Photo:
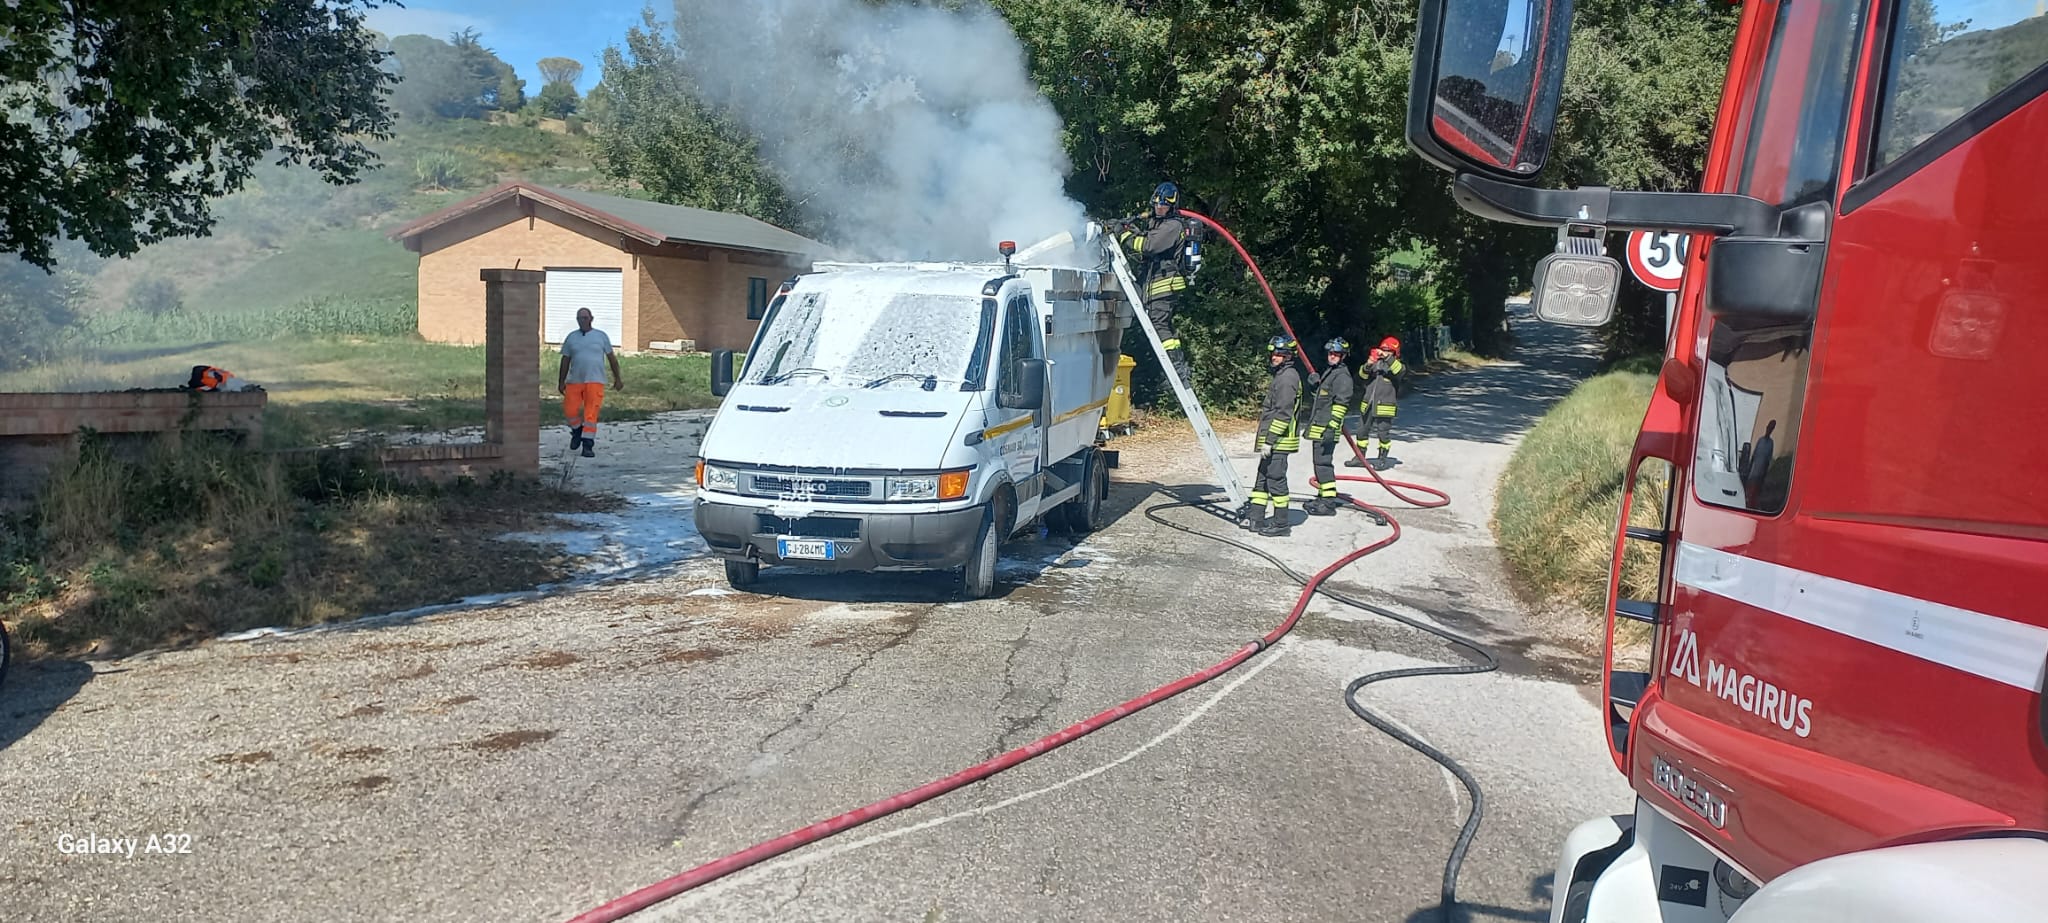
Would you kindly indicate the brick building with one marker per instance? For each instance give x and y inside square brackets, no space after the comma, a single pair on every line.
[650,273]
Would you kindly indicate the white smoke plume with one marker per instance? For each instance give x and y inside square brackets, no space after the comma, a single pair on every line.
[912,132]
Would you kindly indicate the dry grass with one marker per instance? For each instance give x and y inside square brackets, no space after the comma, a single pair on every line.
[1555,516]
[1455,358]
[323,388]
[198,537]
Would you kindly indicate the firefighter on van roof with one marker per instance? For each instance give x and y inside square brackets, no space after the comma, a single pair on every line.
[1166,253]
[1383,374]
[1279,436]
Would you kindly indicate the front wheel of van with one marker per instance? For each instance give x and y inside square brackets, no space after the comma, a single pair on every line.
[742,575]
[978,578]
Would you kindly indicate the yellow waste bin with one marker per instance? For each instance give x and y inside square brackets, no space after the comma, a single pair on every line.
[1118,413]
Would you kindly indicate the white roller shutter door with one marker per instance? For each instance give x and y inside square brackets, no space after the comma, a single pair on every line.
[571,290]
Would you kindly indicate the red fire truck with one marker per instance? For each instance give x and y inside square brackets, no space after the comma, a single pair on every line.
[1840,717]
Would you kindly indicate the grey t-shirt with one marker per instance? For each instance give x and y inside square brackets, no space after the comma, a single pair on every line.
[586,352]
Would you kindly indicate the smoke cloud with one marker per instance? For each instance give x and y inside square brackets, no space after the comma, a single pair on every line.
[911,132]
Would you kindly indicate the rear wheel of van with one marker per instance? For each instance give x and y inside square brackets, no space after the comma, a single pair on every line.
[1083,514]
[742,575]
[978,578]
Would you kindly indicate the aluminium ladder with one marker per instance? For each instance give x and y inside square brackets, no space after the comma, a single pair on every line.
[1211,446]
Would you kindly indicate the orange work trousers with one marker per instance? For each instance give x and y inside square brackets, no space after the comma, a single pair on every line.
[580,401]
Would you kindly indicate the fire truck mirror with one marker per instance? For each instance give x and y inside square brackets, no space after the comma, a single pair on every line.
[1765,279]
[1576,290]
[1488,75]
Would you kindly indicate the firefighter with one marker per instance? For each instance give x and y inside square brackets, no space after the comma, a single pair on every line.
[1166,253]
[1383,376]
[1335,390]
[1279,436]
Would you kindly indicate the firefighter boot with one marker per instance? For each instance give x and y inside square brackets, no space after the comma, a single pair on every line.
[1276,524]
[1253,517]
[1321,506]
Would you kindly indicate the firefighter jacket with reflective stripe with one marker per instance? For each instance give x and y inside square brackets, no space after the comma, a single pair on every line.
[1161,255]
[1279,423]
[1335,392]
[1383,385]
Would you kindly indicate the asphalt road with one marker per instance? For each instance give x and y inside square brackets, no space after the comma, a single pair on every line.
[530,760]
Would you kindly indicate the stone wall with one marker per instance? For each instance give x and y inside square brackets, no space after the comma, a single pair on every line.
[39,431]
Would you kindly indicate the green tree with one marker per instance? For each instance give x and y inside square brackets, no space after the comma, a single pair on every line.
[1641,90]
[502,90]
[653,130]
[454,79]
[558,96]
[39,306]
[123,121]
[561,70]
[558,100]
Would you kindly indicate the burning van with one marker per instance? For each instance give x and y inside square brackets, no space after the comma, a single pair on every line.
[913,416]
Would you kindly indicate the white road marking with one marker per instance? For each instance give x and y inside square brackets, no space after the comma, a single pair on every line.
[795,862]
[1450,781]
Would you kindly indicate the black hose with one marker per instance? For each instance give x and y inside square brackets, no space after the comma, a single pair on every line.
[1489,664]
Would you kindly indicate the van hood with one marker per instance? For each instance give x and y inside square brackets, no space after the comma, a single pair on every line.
[891,428]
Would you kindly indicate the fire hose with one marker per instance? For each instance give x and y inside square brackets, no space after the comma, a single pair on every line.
[1312,585]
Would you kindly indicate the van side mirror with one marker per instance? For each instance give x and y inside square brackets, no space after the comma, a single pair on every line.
[1030,392]
[1484,91]
[721,372]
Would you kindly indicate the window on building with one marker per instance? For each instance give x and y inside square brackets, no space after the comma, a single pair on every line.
[1946,58]
[757,298]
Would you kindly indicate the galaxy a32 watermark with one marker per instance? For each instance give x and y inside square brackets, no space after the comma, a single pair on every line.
[125,847]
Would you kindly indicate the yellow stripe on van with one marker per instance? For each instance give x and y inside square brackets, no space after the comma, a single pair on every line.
[1012,426]
[1078,411]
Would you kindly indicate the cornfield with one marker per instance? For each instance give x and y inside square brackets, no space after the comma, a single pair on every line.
[310,318]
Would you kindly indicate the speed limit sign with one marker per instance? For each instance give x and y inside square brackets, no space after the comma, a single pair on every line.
[1658,258]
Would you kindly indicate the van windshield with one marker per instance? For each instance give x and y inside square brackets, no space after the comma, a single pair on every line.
[852,341]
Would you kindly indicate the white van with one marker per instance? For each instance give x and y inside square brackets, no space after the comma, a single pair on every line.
[912,416]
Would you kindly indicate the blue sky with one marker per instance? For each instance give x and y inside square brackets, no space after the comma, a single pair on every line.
[524,31]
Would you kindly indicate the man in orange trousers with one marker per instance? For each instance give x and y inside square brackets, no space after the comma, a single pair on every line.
[581,380]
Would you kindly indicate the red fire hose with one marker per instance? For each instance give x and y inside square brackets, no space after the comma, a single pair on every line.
[704,874]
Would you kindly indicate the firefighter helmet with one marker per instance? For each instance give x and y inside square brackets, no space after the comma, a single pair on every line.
[1166,194]
[1281,345]
[1338,346]
[1391,345]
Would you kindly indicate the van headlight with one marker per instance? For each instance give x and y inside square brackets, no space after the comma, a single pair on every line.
[948,485]
[713,477]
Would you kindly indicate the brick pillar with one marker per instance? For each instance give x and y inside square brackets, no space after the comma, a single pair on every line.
[512,366]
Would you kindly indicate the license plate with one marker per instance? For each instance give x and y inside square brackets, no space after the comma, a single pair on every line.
[816,549]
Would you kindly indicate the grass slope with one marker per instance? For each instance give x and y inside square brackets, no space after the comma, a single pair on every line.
[1555,514]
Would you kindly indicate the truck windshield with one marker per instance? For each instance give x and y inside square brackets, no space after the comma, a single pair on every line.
[849,341]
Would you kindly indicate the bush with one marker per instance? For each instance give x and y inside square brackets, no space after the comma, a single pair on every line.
[439,171]
[156,296]
[1555,514]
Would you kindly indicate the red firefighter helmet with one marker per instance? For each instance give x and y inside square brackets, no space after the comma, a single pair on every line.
[1391,345]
